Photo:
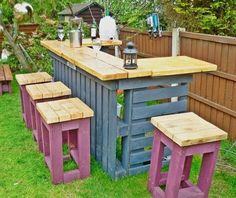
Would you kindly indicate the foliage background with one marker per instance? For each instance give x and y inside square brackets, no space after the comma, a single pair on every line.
[205,16]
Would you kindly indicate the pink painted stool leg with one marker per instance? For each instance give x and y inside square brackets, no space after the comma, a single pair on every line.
[207,170]
[39,131]
[0,88]
[26,101]
[10,87]
[22,104]
[175,172]
[45,136]
[32,118]
[56,153]
[156,161]
[187,169]
[84,147]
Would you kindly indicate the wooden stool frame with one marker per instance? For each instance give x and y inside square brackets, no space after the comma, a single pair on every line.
[79,143]
[179,169]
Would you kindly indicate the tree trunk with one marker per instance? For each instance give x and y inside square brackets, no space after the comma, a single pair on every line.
[16,49]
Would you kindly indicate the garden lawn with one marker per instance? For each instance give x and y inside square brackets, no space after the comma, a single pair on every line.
[24,174]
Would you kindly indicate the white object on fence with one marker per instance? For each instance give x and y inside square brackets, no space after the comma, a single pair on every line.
[107,28]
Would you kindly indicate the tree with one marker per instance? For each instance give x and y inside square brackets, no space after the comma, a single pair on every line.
[207,16]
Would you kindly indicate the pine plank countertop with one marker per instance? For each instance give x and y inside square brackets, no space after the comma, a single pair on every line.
[107,67]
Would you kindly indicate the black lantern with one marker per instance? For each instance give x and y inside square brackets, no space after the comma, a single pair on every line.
[130,56]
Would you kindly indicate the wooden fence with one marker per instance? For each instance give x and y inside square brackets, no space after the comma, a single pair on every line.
[212,95]
[147,47]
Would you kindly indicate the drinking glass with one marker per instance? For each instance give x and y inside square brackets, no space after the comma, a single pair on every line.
[97,45]
[61,33]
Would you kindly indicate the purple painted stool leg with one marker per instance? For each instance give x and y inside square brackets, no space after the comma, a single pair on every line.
[84,147]
[26,106]
[186,173]
[39,131]
[22,104]
[9,87]
[156,162]
[45,135]
[1,88]
[56,154]
[176,171]
[207,170]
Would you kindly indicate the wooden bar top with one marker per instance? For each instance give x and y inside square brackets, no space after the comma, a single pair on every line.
[108,67]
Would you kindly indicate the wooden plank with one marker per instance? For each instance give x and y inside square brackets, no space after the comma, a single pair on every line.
[44,91]
[7,72]
[47,113]
[175,65]
[159,93]
[142,142]
[69,107]
[105,127]
[160,109]
[32,78]
[188,129]
[155,81]
[111,168]
[81,106]
[87,42]
[62,114]
[140,157]
[93,121]
[34,92]
[2,76]
[208,37]
[141,127]
[212,104]
[99,123]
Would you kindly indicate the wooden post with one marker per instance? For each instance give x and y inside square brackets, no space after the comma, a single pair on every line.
[176,41]
[176,50]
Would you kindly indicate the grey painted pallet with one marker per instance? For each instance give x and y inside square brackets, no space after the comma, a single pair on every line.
[135,129]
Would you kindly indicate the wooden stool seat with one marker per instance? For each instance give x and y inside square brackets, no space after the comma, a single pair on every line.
[28,79]
[48,90]
[188,129]
[64,110]
[185,134]
[32,78]
[42,93]
[5,79]
[69,116]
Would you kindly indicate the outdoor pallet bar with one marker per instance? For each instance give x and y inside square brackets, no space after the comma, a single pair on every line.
[147,92]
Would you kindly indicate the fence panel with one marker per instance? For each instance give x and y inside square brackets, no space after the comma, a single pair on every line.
[147,46]
[213,95]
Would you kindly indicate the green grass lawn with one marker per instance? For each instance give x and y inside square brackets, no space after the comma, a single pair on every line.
[24,174]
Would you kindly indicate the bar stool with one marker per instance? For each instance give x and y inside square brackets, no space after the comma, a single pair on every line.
[58,117]
[185,134]
[27,79]
[42,93]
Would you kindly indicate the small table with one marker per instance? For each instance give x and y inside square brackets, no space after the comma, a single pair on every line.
[43,93]
[28,79]
[95,80]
